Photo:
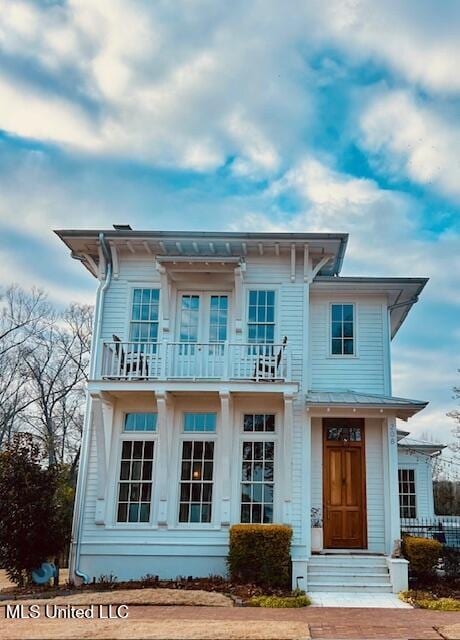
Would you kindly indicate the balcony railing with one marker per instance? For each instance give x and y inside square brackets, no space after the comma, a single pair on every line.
[195,361]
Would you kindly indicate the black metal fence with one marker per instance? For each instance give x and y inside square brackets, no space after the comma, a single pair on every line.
[445,529]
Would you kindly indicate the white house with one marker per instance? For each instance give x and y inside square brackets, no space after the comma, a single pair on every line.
[236,377]
[415,471]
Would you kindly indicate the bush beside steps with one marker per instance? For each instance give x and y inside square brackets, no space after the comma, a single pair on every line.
[260,554]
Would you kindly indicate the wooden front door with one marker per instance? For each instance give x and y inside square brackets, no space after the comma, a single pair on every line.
[344,484]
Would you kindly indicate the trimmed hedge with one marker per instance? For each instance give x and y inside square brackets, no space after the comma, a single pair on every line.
[423,554]
[260,554]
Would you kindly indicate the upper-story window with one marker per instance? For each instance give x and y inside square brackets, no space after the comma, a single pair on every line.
[342,329]
[144,315]
[218,316]
[261,316]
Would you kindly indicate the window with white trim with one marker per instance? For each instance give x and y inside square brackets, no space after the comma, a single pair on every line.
[407,495]
[141,422]
[259,422]
[218,318]
[196,481]
[257,481]
[199,422]
[135,483]
[144,315]
[261,316]
[342,330]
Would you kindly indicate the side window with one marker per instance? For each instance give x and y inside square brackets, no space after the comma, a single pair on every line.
[261,317]
[407,496]
[342,330]
[144,315]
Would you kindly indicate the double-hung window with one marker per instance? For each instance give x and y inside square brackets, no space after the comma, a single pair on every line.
[343,339]
[135,484]
[197,469]
[144,315]
[257,470]
[407,495]
[261,316]
[136,469]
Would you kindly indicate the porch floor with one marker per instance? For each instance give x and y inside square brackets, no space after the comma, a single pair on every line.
[356,600]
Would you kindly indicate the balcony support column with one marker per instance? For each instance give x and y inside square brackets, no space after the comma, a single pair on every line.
[238,304]
[287,456]
[164,444]
[226,426]
[165,298]
[102,419]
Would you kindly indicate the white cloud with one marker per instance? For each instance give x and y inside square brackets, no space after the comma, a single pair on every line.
[410,138]
[418,40]
[186,90]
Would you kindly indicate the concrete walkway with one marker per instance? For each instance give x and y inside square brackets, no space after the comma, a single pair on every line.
[357,600]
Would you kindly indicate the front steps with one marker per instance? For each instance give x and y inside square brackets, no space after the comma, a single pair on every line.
[350,573]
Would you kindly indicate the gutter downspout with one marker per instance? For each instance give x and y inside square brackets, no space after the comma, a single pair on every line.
[82,475]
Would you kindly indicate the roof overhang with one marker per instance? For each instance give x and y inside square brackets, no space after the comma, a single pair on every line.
[401,293]
[327,401]
[427,448]
[85,245]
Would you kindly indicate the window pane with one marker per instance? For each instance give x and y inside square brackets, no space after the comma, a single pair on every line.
[348,313]
[348,346]
[336,310]
[196,476]
[196,422]
[134,494]
[336,347]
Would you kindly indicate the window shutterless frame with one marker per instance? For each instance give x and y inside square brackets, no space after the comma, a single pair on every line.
[403,479]
[129,308]
[330,334]
[258,436]
[142,436]
[203,436]
[261,287]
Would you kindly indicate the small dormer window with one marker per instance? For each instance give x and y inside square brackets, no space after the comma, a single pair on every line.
[342,329]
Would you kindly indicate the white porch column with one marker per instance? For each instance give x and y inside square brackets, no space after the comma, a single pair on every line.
[102,416]
[390,458]
[287,457]
[238,302]
[307,470]
[165,305]
[226,426]
[163,455]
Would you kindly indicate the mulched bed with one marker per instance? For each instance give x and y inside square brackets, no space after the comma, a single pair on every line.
[437,587]
[217,584]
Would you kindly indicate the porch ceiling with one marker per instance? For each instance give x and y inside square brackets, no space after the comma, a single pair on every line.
[402,407]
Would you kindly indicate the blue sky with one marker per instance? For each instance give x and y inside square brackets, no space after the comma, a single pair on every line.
[261,115]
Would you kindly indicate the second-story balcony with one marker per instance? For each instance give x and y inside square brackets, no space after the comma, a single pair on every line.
[195,361]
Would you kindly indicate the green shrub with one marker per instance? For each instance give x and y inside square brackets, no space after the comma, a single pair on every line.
[280,602]
[260,554]
[451,562]
[423,554]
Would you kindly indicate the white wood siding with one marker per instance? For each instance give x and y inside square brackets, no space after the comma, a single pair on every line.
[423,481]
[366,371]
